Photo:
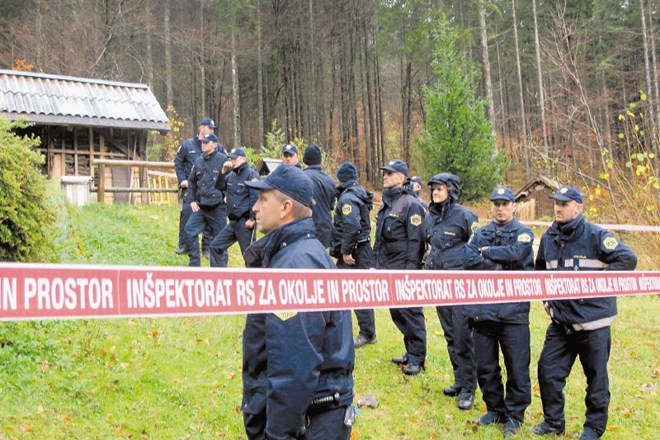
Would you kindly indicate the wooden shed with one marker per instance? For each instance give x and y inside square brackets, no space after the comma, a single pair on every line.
[266,166]
[534,201]
[81,119]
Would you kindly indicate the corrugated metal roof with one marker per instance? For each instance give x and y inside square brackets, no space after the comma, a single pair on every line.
[65,100]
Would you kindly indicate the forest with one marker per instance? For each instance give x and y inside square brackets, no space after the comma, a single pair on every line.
[570,87]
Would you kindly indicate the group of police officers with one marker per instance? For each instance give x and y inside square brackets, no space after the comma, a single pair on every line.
[297,367]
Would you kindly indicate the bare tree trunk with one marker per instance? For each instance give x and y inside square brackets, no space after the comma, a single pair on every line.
[406,106]
[523,117]
[647,70]
[235,88]
[486,61]
[149,49]
[202,58]
[539,70]
[169,89]
[260,77]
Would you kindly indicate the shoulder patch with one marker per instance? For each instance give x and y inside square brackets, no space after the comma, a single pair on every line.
[524,238]
[610,243]
[285,315]
[415,219]
[346,209]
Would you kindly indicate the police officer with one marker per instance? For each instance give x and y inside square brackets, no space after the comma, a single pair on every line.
[184,160]
[297,368]
[240,200]
[289,155]
[206,196]
[448,227]
[503,244]
[578,327]
[400,245]
[350,243]
[324,193]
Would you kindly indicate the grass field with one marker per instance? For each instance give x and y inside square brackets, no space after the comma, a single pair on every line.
[180,378]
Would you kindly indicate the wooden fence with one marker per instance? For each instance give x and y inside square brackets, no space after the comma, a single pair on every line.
[154,182]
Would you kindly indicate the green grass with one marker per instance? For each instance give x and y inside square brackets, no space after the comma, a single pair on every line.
[180,378]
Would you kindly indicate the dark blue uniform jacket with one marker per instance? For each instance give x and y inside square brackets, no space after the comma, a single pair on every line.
[580,245]
[240,199]
[503,247]
[206,183]
[352,224]
[290,360]
[185,158]
[399,232]
[325,196]
[448,226]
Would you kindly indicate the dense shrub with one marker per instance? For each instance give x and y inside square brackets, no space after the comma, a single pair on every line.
[26,213]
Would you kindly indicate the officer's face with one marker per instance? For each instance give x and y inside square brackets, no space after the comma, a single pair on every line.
[416,186]
[235,163]
[503,210]
[439,193]
[392,179]
[203,131]
[269,209]
[290,159]
[208,147]
[567,211]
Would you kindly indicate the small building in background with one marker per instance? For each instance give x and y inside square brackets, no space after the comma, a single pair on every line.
[534,202]
[266,166]
[81,119]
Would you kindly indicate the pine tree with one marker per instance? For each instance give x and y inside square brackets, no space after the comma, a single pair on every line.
[457,137]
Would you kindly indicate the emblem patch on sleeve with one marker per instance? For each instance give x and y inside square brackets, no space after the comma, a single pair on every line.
[415,219]
[285,315]
[610,243]
[346,209]
[525,238]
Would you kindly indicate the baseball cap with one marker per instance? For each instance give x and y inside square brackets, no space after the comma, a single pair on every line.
[396,166]
[233,154]
[567,193]
[208,122]
[210,138]
[289,180]
[502,193]
[289,149]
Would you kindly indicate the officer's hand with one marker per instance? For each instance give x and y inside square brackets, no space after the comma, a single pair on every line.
[194,206]
[226,166]
[546,307]
[183,184]
[249,223]
[348,259]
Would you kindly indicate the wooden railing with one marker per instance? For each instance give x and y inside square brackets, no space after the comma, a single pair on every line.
[147,169]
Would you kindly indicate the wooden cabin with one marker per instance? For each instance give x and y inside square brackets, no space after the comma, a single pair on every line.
[266,166]
[534,202]
[80,119]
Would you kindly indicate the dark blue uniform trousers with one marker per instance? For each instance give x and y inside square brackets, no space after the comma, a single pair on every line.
[184,216]
[230,234]
[460,346]
[560,349]
[366,318]
[215,218]
[327,424]
[513,340]
[411,323]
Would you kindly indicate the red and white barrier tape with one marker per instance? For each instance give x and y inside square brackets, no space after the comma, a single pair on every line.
[631,228]
[48,291]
